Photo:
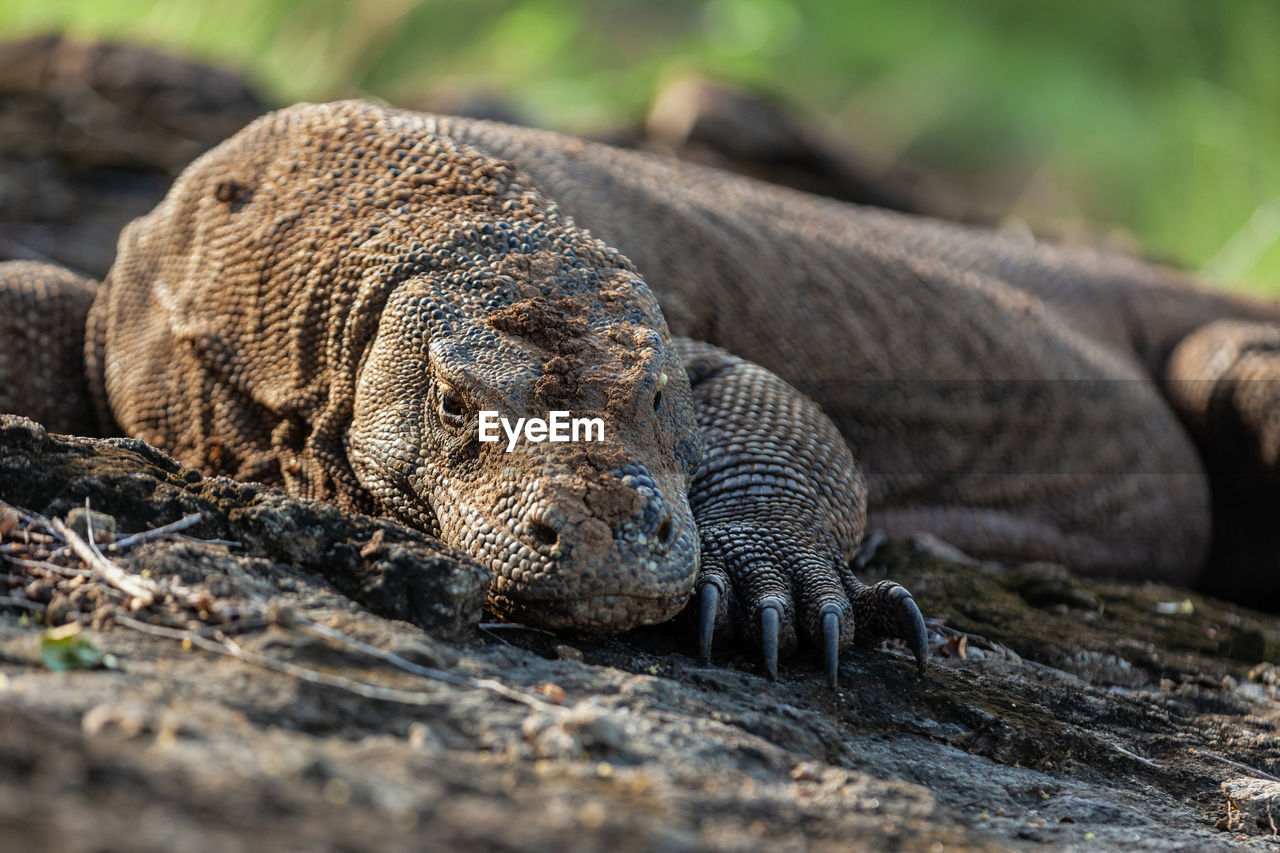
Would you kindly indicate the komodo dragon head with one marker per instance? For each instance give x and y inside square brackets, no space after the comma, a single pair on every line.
[330,299]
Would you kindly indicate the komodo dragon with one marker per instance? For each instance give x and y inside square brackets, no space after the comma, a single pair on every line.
[329,298]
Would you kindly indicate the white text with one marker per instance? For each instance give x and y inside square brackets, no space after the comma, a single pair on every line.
[557,426]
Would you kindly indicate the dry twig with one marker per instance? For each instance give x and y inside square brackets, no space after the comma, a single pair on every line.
[1236,764]
[142,591]
[48,567]
[26,604]
[156,532]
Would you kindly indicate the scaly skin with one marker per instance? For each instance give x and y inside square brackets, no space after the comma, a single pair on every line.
[781,508]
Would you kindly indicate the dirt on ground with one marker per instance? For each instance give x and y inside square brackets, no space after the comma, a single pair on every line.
[272,674]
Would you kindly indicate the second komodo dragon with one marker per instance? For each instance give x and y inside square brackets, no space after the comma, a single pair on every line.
[329,299]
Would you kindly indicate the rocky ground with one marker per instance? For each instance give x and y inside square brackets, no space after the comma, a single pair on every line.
[322,685]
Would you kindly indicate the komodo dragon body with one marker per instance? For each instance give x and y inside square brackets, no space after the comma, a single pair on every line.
[328,299]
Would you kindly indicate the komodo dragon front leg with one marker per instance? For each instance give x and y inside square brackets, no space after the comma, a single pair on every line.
[780,504]
[1223,380]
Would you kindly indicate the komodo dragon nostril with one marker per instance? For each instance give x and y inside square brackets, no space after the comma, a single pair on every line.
[544,534]
[666,530]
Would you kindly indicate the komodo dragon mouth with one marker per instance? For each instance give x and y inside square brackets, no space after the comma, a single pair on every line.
[594,547]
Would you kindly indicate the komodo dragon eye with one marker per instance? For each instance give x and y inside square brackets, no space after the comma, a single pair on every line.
[453,409]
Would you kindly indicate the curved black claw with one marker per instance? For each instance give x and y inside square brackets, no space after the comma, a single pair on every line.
[709,597]
[770,615]
[915,634]
[831,643]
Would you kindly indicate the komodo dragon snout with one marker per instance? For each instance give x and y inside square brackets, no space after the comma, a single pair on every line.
[592,533]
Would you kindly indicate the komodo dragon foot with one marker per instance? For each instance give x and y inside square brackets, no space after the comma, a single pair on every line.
[780,506]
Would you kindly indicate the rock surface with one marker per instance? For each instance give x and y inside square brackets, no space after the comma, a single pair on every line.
[1075,714]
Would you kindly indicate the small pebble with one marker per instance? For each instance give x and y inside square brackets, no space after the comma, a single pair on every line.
[568,652]
[104,526]
[60,611]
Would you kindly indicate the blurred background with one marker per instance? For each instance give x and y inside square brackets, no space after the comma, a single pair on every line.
[1148,125]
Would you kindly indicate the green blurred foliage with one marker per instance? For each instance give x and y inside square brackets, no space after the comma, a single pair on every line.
[62,650]
[1157,118]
